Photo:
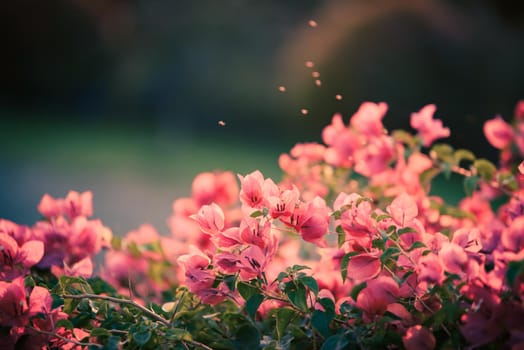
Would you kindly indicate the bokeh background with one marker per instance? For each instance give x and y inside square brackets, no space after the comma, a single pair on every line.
[123,97]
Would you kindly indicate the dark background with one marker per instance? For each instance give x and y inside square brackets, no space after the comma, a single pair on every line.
[124,97]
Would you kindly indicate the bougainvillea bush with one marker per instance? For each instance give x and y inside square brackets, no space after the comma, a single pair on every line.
[350,250]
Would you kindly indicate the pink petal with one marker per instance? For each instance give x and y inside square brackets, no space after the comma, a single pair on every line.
[363,267]
[403,209]
[521,167]
[31,253]
[498,132]
[83,268]
[40,301]
[419,338]
[50,206]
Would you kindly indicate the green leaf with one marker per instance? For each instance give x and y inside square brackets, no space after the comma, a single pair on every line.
[246,290]
[100,332]
[336,214]
[296,268]
[463,154]
[508,180]
[344,264]
[282,276]
[341,235]
[335,342]
[253,303]
[283,317]
[443,152]
[142,337]
[297,295]
[247,337]
[406,230]
[485,168]
[416,245]
[256,214]
[382,217]
[470,184]
[113,343]
[379,243]
[178,334]
[67,282]
[390,251]
[320,321]
[310,282]
[100,286]
[230,281]
[357,289]
[64,323]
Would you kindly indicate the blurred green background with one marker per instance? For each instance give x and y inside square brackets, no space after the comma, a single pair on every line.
[123,97]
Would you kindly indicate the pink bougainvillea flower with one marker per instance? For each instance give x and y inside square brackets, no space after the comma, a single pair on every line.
[512,238]
[374,157]
[15,260]
[253,262]
[284,204]
[342,143]
[498,132]
[213,296]
[40,301]
[403,209]
[227,263]
[86,238]
[430,269]
[210,218]
[453,257]
[78,204]
[368,119]
[50,207]
[364,266]
[82,268]
[310,151]
[331,132]
[311,220]
[13,303]
[122,270]
[468,239]
[255,190]
[400,310]
[228,238]
[185,206]
[419,338]
[481,324]
[374,299]
[253,231]
[218,187]
[355,217]
[20,233]
[197,273]
[429,129]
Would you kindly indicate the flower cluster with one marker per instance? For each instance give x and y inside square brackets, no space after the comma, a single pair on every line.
[63,243]
[352,248]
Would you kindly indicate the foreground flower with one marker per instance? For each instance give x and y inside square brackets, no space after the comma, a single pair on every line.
[428,128]
[16,260]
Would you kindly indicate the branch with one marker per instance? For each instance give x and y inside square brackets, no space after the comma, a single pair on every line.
[145,310]
[76,342]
